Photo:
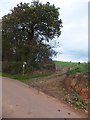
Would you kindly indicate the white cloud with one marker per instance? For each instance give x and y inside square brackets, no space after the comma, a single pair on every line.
[74,36]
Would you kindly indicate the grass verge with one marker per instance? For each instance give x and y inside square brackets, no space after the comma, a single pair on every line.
[23,77]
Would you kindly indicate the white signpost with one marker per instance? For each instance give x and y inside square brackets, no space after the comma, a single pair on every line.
[24,64]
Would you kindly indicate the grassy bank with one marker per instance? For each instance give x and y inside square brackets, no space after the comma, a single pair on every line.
[23,77]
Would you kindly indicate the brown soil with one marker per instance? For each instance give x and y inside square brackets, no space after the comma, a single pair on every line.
[54,86]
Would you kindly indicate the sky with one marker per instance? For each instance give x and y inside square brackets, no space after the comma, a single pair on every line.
[74,34]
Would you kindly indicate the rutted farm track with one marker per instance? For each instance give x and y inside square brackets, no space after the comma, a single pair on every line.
[66,88]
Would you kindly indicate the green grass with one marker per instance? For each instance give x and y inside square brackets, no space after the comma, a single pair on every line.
[82,67]
[24,77]
[0,74]
[67,64]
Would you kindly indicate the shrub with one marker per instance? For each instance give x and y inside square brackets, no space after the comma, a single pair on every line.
[12,67]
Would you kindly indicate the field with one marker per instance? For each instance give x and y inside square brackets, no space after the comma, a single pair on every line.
[74,66]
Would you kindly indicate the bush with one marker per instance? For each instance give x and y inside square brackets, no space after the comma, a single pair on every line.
[12,67]
[49,66]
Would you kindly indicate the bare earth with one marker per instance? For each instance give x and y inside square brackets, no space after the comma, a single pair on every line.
[20,101]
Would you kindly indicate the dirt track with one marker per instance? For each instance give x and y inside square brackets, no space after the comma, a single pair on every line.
[20,101]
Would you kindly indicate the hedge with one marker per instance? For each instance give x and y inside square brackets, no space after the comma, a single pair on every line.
[14,67]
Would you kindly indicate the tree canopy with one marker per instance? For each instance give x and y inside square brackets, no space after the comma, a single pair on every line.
[26,29]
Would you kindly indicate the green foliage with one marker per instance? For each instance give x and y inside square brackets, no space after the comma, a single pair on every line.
[12,67]
[78,101]
[25,31]
[74,99]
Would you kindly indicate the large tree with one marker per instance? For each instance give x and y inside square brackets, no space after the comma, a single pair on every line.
[26,29]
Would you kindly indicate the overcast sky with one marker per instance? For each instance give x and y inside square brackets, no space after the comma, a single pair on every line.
[74,34]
